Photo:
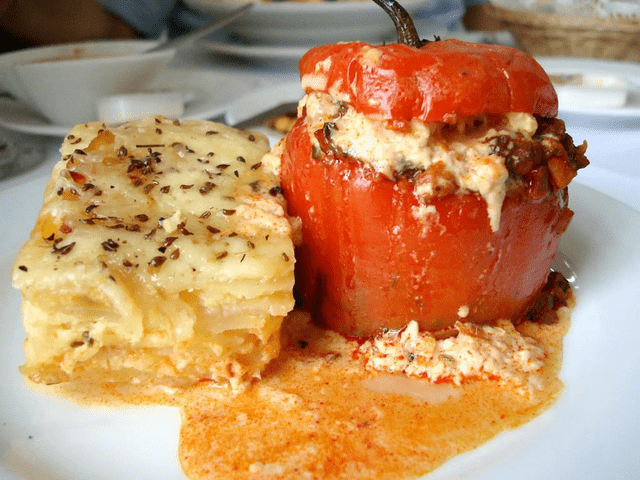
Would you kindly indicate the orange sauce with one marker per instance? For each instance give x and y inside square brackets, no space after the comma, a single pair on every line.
[317,413]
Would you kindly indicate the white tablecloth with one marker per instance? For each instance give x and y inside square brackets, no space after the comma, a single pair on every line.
[614,157]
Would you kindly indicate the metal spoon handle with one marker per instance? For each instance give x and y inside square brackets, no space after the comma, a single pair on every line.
[184,40]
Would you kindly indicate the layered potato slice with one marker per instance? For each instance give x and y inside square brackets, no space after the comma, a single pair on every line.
[162,254]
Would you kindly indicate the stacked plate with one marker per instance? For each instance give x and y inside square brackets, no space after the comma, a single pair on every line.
[286,29]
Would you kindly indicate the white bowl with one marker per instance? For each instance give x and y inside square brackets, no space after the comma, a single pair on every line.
[308,23]
[65,82]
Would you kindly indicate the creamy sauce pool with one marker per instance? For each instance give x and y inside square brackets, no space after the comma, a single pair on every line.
[317,413]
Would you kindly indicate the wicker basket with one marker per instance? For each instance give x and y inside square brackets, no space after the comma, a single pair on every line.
[548,34]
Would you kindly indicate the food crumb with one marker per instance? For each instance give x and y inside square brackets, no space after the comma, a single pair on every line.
[487,352]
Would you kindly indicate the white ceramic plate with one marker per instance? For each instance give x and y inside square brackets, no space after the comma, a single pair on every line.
[598,101]
[209,92]
[288,54]
[307,23]
[592,433]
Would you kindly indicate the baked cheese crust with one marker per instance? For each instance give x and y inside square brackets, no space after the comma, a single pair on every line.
[162,254]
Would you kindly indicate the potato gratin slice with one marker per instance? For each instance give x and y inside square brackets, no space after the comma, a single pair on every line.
[162,255]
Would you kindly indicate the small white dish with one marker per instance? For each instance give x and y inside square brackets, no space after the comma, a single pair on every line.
[595,88]
[10,82]
[308,23]
[209,94]
[64,82]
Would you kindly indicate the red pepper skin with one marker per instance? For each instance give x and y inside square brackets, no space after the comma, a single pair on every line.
[440,81]
[367,263]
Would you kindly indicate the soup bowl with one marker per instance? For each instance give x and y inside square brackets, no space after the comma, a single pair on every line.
[65,82]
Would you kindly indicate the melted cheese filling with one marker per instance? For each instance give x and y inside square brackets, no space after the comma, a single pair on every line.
[466,155]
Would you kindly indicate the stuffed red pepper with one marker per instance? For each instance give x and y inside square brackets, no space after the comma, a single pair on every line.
[431,181]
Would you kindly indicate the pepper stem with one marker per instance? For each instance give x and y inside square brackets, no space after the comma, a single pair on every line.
[407,32]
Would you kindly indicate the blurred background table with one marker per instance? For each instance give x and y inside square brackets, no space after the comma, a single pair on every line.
[243,69]
[613,138]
